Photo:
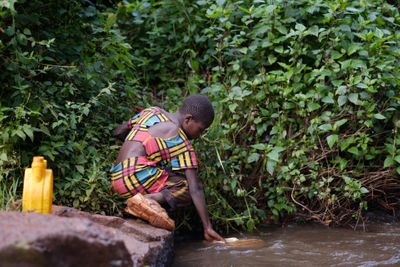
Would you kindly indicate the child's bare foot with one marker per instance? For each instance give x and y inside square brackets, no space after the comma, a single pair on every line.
[149,210]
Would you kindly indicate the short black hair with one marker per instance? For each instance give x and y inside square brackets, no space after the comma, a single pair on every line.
[200,107]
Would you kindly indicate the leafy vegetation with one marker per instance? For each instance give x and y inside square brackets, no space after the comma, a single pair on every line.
[67,79]
[306,95]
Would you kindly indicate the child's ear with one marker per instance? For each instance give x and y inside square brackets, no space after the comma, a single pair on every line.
[187,118]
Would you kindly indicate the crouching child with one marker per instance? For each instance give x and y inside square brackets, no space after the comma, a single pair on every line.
[157,163]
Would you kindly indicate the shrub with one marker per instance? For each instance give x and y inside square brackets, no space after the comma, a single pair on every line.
[67,78]
[306,96]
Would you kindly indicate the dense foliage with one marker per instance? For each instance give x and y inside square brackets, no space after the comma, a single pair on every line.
[67,77]
[306,95]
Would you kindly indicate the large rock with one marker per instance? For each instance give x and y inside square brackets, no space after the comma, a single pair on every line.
[70,237]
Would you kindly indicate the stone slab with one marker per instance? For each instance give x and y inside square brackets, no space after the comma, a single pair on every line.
[70,237]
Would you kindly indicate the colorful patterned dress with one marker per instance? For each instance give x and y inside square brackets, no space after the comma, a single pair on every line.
[150,173]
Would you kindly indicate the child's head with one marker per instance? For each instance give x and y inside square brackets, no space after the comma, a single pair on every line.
[198,114]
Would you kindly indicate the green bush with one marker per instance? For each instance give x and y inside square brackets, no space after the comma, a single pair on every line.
[67,79]
[305,92]
[306,95]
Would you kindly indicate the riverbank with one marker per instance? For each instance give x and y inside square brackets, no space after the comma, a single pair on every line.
[69,237]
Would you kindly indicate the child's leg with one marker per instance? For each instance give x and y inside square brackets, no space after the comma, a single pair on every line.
[159,197]
[176,193]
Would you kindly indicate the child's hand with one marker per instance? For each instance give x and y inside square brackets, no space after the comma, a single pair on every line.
[210,235]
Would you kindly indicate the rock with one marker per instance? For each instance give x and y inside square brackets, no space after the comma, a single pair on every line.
[156,244]
[70,237]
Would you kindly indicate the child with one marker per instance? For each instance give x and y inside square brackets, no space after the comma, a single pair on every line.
[156,146]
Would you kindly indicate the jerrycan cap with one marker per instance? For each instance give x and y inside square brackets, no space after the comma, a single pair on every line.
[38,159]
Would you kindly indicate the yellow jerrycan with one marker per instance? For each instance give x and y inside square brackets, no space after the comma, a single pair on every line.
[37,194]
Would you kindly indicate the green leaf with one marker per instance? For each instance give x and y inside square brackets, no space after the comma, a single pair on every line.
[259,146]
[275,212]
[232,107]
[356,63]
[282,29]
[364,190]
[325,127]
[273,155]
[271,59]
[339,123]
[391,148]
[368,123]
[379,116]
[220,2]
[353,98]
[80,168]
[20,133]
[388,162]
[300,27]
[328,99]
[279,49]
[341,90]
[76,203]
[233,184]
[243,50]
[354,150]
[346,143]
[271,166]
[5,136]
[26,31]
[279,149]
[3,156]
[362,85]
[342,100]
[332,139]
[336,55]
[269,9]
[342,164]
[312,106]
[353,48]
[8,4]
[347,179]
[10,30]
[397,158]
[253,157]
[28,130]
[250,225]
[314,30]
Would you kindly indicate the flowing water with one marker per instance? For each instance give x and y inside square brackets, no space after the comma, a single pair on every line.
[298,245]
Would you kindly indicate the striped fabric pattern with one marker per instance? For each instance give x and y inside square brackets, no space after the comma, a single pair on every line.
[137,175]
[175,152]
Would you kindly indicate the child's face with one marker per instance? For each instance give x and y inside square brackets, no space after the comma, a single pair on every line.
[193,128]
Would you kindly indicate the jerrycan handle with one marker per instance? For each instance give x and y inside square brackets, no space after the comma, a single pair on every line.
[38,168]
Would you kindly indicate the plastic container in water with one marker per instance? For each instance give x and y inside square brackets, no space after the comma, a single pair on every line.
[37,194]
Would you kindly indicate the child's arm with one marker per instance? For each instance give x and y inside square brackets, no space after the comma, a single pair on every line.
[122,131]
[197,194]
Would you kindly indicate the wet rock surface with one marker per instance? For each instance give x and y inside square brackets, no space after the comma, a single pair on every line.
[70,237]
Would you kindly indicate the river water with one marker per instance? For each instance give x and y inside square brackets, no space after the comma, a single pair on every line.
[299,245]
